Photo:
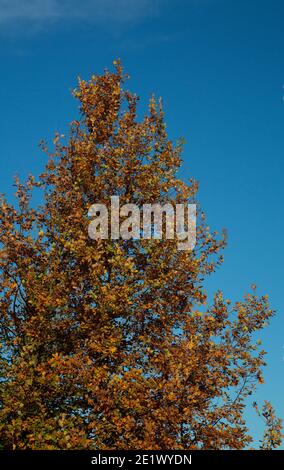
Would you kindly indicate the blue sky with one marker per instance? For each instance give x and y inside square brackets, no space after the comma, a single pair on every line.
[219,66]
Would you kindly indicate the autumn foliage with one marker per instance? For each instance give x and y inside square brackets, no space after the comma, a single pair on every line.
[112,344]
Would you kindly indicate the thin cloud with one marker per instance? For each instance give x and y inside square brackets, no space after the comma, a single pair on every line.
[13,10]
[43,11]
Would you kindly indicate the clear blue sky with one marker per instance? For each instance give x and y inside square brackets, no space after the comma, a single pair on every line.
[219,66]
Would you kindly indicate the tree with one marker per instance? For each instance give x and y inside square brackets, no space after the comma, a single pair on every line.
[111,344]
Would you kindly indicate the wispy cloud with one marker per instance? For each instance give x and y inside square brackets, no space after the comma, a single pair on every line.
[11,10]
[43,11]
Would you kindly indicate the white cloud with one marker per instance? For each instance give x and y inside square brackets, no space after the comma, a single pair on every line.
[11,10]
[42,11]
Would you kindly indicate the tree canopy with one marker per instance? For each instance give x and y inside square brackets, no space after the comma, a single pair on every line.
[113,344]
